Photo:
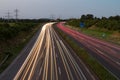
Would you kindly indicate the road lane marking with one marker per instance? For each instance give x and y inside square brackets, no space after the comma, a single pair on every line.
[118,63]
[59,70]
[56,56]
[73,63]
[66,62]
[107,56]
[60,50]
[99,51]
[63,46]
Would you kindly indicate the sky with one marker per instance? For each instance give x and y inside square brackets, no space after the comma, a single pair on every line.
[59,8]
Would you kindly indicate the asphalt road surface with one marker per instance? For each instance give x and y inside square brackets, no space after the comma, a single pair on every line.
[106,53]
[50,59]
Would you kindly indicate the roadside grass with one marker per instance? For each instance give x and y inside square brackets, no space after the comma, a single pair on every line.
[14,49]
[94,66]
[103,34]
[97,33]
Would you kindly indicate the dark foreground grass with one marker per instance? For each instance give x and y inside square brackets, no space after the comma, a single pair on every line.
[14,50]
[90,62]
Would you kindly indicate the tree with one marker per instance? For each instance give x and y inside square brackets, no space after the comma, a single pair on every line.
[83,17]
[114,17]
[89,16]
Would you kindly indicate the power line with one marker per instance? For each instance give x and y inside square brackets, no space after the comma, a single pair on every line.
[8,15]
[16,13]
[52,16]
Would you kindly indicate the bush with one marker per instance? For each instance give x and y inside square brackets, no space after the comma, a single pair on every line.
[8,31]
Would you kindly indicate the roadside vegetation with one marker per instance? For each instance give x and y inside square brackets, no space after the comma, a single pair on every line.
[103,28]
[94,66]
[13,37]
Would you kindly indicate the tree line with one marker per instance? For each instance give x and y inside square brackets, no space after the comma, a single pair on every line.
[12,27]
[10,30]
[110,23]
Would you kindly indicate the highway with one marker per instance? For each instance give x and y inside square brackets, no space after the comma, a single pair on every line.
[50,58]
[107,54]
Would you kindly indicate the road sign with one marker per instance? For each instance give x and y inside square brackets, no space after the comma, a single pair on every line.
[82,24]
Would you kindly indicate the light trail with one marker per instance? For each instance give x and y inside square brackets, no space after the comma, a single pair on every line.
[108,54]
[51,59]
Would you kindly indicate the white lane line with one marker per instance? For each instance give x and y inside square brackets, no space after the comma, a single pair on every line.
[99,51]
[40,71]
[73,63]
[59,70]
[65,62]
[118,63]
[56,56]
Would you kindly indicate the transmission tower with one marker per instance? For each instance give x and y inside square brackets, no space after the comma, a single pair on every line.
[52,16]
[16,14]
[8,16]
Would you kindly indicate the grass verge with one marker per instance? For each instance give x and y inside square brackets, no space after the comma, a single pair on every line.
[15,45]
[90,62]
